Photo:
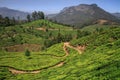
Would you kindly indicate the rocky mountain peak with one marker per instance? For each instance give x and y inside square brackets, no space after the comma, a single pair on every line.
[83,14]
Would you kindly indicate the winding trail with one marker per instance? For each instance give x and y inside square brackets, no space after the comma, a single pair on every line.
[19,71]
[67,44]
[16,71]
[52,29]
[59,64]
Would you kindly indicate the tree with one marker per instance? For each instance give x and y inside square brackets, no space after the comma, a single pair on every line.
[99,29]
[46,30]
[13,21]
[18,20]
[67,37]
[27,53]
[82,33]
[38,15]
[59,37]
[7,21]
[41,15]
[1,17]
[79,33]
[34,15]
[50,34]
[1,20]
[28,18]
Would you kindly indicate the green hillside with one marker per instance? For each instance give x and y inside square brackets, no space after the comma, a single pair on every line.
[41,32]
[64,53]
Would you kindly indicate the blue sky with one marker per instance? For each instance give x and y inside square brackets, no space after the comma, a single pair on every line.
[54,6]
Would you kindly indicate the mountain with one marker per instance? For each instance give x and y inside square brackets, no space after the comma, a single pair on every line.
[116,14]
[83,14]
[13,13]
[51,15]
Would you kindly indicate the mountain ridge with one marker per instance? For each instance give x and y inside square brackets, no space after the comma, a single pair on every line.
[7,12]
[82,14]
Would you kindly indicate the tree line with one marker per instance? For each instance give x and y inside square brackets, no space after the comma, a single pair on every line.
[35,16]
[6,21]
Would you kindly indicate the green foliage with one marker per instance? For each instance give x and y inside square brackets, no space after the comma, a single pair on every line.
[82,33]
[28,33]
[97,39]
[27,53]
[38,15]
[6,21]
[41,15]
[39,59]
[99,61]
[28,18]
[4,73]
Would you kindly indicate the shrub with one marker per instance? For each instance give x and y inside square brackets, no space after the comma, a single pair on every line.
[27,53]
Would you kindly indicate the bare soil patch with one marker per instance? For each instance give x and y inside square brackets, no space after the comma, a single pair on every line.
[23,47]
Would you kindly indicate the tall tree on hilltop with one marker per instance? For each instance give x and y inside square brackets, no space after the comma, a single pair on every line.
[34,15]
[28,18]
[41,15]
[38,15]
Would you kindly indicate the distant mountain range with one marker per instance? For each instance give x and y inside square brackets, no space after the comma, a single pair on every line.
[13,13]
[51,15]
[83,14]
[78,16]
[116,14]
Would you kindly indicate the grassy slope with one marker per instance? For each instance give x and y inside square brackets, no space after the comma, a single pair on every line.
[100,61]
[45,23]
[37,59]
[94,65]
[27,33]
[97,26]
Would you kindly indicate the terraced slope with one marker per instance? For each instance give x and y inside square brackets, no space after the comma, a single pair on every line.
[99,61]
[18,71]
[35,36]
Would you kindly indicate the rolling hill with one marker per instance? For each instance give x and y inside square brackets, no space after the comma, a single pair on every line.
[93,56]
[33,35]
[45,50]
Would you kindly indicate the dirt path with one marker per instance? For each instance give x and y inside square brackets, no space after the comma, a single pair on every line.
[15,71]
[44,29]
[51,29]
[65,49]
[18,71]
[66,44]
